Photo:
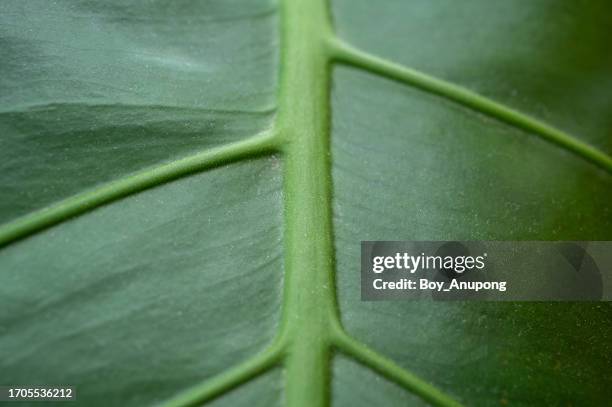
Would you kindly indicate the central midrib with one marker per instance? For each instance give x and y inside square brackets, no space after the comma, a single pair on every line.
[309,308]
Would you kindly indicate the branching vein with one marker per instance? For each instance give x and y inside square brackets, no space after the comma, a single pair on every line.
[347,54]
[391,371]
[228,380]
[260,144]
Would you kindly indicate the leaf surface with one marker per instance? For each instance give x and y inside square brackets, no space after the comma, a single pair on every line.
[548,58]
[118,304]
[185,186]
[467,178]
[92,92]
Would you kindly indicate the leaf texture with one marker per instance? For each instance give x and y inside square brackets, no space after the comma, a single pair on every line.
[118,304]
[185,185]
[92,92]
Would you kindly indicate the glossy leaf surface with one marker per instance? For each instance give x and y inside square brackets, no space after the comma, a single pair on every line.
[185,186]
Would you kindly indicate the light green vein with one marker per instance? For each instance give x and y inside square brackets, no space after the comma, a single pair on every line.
[386,368]
[346,54]
[310,314]
[230,379]
[303,117]
[261,144]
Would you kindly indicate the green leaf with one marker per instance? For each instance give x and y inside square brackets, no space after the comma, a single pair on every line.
[93,92]
[119,304]
[185,186]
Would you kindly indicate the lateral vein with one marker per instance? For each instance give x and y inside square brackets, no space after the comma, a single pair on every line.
[258,145]
[392,371]
[346,54]
[229,379]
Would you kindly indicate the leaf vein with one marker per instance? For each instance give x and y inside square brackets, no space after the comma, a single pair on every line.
[258,145]
[229,379]
[344,53]
[388,369]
